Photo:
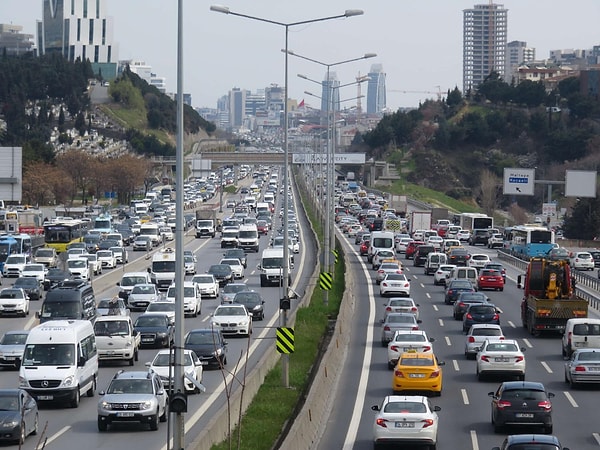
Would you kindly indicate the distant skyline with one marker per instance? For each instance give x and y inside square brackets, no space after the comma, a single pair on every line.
[418,42]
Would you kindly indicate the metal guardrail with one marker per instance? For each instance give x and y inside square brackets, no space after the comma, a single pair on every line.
[581,279]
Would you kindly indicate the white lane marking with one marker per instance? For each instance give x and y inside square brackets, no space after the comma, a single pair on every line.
[364,373]
[422,285]
[501,312]
[31,322]
[56,435]
[455,364]
[427,295]
[474,442]
[465,397]
[527,343]
[546,366]
[441,321]
[571,399]
[448,341]
[510,322]
[435,308]
[596,436]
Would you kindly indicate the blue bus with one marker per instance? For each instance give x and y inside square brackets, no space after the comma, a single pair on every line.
[529,241]
[8,246]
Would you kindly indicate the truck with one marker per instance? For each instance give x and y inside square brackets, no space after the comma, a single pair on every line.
[549,296]
[162,271]
[420,220]
[206,222]
[271,267]
[473,221]
[116,339]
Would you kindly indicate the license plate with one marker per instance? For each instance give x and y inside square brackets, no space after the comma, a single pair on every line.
[593,369]
[405,424]
[45,397]
[10,358]
[125,414]
[416,375]
[147,340]
[581,344]
[524,415]
[501,359]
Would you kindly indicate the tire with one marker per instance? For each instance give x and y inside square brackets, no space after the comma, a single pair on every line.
[92,390]
[165,413]
[498,428]
[36,425]
[136,354]
[75,401]
[102,425]
[383,343]
[154,422]
[131,361]
[22,434]
[390,365]
[521,377]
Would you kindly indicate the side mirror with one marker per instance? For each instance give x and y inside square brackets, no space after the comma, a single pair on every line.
[81,361]
[431,339]
[419,321]
[491,394]
[118,283]
[375,407]
[437,408]
[523,349]
[148,364]
[550,394]
[441,363]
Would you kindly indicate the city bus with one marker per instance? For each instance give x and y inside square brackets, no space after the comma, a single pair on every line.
[103,224]
[473,221]
[8,246]
[59,235]
[528,241]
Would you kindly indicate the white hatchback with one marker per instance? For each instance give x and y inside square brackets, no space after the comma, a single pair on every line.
[408,341]
[479,260]
[582,261]
[501,357]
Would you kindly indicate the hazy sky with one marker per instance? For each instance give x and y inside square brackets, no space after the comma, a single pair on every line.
[418,42]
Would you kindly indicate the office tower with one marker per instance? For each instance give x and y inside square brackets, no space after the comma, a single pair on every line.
[484,43]
[237,107]
[79,29]
[330,86]
[517,53]
[13,41]
[376,100]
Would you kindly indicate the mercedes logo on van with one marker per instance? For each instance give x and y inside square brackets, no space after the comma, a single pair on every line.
[45,383]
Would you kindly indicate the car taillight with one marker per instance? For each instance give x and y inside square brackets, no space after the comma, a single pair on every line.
[398,373]
[503,404]
[386,328]
[496,317]
[471,339]
[413,309]
[481,278]
[434,374]
[426,348]
[427,422]
[382,423]
[461,304]
[388,308]
[501,338]
[485,358]
[450,291]
[519,359]
[380,271]
[416,327]
[395,348]
[407,284]
[384,284]
[580,369]
[469,316]
[545,404]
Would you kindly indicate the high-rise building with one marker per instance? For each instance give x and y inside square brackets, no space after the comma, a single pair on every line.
[13,41]
[517,53]
[484,43]
[237,107]
[376,96]
[79,29]
[330,86]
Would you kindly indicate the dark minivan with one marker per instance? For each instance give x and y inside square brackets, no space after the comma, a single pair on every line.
[69,300]
[421,253]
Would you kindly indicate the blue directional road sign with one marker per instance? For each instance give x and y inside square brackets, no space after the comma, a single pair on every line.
[519,181]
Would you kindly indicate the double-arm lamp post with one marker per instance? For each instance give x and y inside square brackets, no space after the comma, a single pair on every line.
[286,249]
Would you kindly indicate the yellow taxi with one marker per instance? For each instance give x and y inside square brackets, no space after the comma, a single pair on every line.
[418,372]
[392,261]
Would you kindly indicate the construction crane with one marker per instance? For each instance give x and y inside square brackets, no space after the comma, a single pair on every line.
[438,92]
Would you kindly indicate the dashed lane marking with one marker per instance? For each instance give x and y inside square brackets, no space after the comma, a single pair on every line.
[441,322]
[465,397]
[474,442]
[571,399]
[510,322]
[527,343]
[448,341]
[455,364]
[546,366]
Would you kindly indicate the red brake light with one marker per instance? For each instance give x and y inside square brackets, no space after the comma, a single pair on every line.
[386,328]
[496,317]
[471,339]
[580,369]
[398,373]
[382,422]
[426,348]
[461,304]
[485,358]
[395,348]
[545,404]
[427,422]
[413,308]
[519,359]
[503,404]
[380,271]
[388,308]
[435,373]
[416,327]
[469,316]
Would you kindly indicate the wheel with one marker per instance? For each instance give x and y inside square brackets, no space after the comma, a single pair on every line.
[22,435]
[75,401]
[498,428]
[391,365]
[131,361]
[36,425]
[136,354]
[154,422]
[383,343]
[479,375]
[92,390]
[433,447]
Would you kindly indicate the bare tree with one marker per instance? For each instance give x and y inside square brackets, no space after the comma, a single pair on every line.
[78,164]
[489,184]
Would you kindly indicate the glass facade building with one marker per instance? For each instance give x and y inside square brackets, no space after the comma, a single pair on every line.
[376,96]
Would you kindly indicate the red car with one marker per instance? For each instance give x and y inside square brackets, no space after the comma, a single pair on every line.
[262,226]
[490,279]
[411,248]
[364,247]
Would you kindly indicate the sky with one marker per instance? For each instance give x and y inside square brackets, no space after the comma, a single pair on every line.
[418,42]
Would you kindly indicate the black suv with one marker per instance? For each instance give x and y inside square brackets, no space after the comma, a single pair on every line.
[479,237]
[531,441]
[521,403]
[421,253]
[209,345]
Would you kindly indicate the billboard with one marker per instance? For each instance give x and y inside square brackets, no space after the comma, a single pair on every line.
[519,181]
[321,158]
[580,183]
[11,174]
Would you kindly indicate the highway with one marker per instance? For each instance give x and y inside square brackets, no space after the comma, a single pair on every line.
[465,405]
[69,428]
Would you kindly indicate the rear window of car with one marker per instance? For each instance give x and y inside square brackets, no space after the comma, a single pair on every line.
[523,394]
[586,329]
[486,332]
[416,362]
[410,338]
[490,273]
[482,309]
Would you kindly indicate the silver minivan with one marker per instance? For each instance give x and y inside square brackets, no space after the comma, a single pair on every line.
[433,262]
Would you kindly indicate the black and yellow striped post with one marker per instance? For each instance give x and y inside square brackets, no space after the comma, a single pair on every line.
[326,281]
[285,340]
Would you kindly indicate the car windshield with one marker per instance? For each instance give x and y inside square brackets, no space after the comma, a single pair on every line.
[486,332]
[11,293]
[523,394]
[410,338]
[401,318]
[161,307]
[27,281]
[163,360]
[150,322]
[203,280]
[43,253]
[14,339]
[111,328]
[416,361]
[202,338]
[405,407]
[49,355]
[482,309]
[143,289]
[130,387]
[401,302]
[586,356]
[230,311]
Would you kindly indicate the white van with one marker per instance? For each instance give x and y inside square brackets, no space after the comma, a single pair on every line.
[380,240]
[152,231]
[580,333]
[463,273]
[129,280]
[433,261]
[60,362]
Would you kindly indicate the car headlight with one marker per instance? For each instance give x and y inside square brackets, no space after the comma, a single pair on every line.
[69,381]
[161,334]
[146,405]
[105,405]
[217,352]
[10,424]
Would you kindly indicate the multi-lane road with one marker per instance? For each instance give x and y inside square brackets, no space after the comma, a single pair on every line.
[72,428]
[465,405]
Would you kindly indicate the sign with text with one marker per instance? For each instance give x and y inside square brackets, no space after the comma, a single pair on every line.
[321,158]
[519,181]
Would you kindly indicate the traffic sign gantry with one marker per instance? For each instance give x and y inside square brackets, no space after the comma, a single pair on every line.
[285,340]
[325,281]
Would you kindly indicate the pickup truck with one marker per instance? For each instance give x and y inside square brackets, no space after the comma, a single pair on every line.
[116,339]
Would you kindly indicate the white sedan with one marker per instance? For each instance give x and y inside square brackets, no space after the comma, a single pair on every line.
[394,283]
[502,357]
[463,235]
[14,301]
[405,419]
[36,270]
[479,260]
[408,341]
[107,258]
[436,241]
[192,366]
[443,272]
[232,319]
[236,267]
[207,285]
[166,233]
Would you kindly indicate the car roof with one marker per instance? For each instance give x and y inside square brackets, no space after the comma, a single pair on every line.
[132,374]
[529,438]
[510,385]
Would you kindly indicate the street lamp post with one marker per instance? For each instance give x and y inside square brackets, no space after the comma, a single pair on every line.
[329,226]
[286,250]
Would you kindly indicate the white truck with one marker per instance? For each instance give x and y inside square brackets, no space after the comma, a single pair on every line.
[162,271]
[271,267]
[206,222]
[420,220]
[116,339]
